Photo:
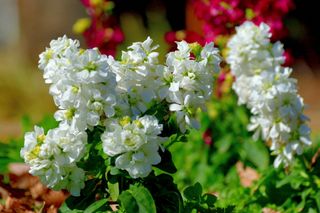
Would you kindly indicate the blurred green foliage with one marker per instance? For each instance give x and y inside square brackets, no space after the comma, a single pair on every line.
[10,150]
[209,164]
[213,165]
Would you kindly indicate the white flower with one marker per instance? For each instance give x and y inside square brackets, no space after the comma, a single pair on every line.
[251,50]
[53,157]
[141,51]
[73,181]
[150,125]
[134,143]
[139,76]
[62,47]
[191,80]
[185,106]
[121,136]
[92,67]
[71,144]
[268,91]
[139,163]
[180,55]
[243,88]
[32,143]
[82,83]
[210,57]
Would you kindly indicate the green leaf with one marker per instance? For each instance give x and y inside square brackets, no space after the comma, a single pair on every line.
[317,198]
[209,199]
[166,163]
[284,181]
[257,153]
[224,143]
[128,203]
[86,197]
[312,210]
[113,190]
[137,196]
[304,196]
[165,193]
[65,209]
[229,209]
[48,122]
[193,192]
[9,153]
[98,205]
[115,171]
[144,199]
[182,138]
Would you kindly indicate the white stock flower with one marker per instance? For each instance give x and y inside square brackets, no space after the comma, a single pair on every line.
[210,57]
[139,163]
[32,143]
[185,106]
[53,157]
[191,80]
[63,47]
[251,50]
[139,76]
[92,68]
[182,54]
[92,89]
[142,51]
[134,143]
[82,83]
[268,91]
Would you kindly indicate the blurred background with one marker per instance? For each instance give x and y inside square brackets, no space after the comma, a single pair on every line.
[27,27]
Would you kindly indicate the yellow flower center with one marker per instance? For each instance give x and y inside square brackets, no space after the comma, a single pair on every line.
[124,121]
[33,153]
[41,138]
[129,142]
[69,113]
[138,124]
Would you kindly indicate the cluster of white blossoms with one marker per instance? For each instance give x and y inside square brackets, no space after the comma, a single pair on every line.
[53,157]
[135,143]
[91,89]
[265,86]
[81,83]
[138,75]
[190,80]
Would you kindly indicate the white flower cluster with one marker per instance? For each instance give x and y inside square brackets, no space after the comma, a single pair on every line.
[190,80]
[268,91]
[82,84]
[184,82]
[53,157]
[91,89]
[138,75]
[135,143]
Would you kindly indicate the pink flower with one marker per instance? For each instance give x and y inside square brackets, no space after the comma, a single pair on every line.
[207,137]
[104,32]
[288,58]
[221,16]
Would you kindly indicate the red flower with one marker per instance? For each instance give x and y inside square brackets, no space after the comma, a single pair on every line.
[221,16]
[207,137]
[104,31]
